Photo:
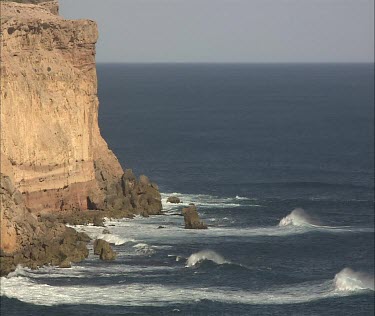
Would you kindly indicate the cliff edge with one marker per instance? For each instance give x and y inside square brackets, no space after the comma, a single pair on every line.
[52,154]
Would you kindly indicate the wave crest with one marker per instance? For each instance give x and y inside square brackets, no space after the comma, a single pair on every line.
[298,217]
[204,255]
[114,239]
[143,249]
[349,280]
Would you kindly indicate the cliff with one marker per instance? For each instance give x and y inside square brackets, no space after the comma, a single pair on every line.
[52,152]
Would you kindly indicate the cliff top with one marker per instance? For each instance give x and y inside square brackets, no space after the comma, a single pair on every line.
[28,9]
[27,1]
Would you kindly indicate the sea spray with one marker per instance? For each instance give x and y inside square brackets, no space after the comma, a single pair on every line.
[144,249]
[349,280]
[114,239]
[298,217]
[205,255]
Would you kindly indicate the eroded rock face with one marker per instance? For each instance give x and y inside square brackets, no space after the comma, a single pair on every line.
[104,250]
[191,218]
[28,240]
[53,158]
[174,199]
[49,107]
[49,117]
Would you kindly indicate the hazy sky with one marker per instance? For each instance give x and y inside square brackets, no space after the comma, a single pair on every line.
[229,30]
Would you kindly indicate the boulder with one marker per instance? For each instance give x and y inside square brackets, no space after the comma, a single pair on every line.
[141,196]
[98,221]
[65,264]
[104,250]
[108,254]
[191,218]
[98,246]
[173,199]
[34,241]
[144,180]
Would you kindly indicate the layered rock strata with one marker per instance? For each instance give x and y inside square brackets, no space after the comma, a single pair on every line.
[31,241]
[52,152]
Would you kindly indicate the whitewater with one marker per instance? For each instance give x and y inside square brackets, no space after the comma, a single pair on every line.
[145,251]
[278,159]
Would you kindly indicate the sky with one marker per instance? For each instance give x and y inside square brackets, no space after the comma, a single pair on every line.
[254,31]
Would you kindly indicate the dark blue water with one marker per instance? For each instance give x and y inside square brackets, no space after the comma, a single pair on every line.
[247,144]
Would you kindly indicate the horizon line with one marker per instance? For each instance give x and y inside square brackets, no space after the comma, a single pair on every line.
[235,62]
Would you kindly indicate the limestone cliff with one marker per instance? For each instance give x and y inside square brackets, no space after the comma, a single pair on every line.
[51,147]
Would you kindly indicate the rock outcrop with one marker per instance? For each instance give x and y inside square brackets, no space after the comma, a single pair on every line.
[174,199]
[104,250]
[32,241]
[49,115]
[191,218]
[52,152]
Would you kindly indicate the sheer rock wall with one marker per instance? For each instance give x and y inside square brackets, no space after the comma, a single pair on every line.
[52,152]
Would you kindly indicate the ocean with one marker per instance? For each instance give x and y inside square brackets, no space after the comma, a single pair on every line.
[278,158]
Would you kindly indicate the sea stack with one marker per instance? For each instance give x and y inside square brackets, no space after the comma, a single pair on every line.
[191,218]
[53,157]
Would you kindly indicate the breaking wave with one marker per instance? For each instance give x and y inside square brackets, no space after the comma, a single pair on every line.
[144,249]
[200,256]
[241,198]
[24,287]
[299,220]
[202,201]
[95,232]
[349,280]
[114,239]
[298,217]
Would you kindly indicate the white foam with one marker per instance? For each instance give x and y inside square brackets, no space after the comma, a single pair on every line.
[241,198]
[349,280]
[32,291]
[95,232]
[302,222]
[200,200]
[144,249]
[298,217]
[144,230]
[114,239]
[204,255]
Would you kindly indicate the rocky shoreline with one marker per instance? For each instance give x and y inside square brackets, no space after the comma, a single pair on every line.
[44,239]
[56,168]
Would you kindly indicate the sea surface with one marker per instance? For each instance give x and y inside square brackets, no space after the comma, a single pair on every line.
[279,160]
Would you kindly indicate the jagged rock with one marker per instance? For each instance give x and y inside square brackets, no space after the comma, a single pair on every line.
[59,163]
[173,199]
[98,221]
[32,241]
[108,254]
[98,245]
[105,231]
[65,264]
[58,168]
[104,250]
[191,218]
[143,196]
[144,181]
[83,237]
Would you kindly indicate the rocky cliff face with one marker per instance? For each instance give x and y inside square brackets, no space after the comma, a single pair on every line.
[51,147]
